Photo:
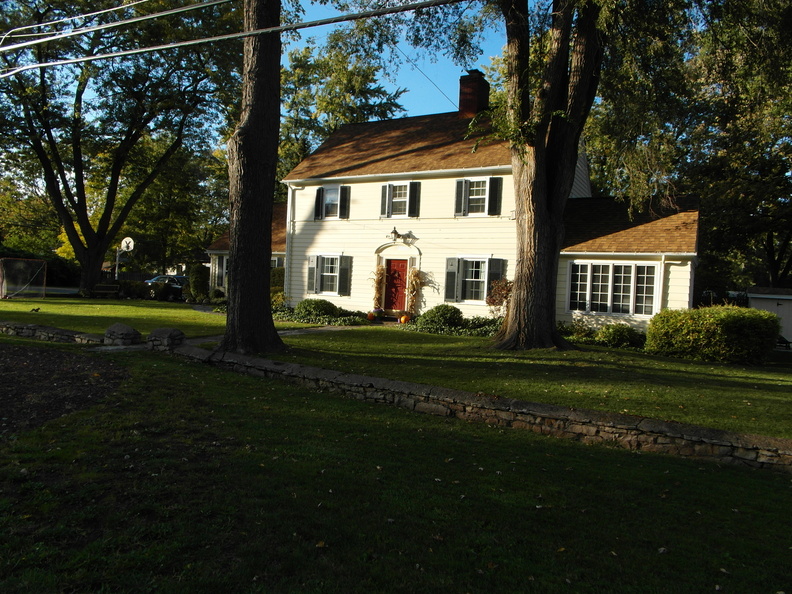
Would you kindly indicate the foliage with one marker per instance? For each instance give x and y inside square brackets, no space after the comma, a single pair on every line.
[29,221]
[440,318]
[321,89]
[318,311]
[727,334]
[134,289]
[316,307]
[199,282]
[182,210]
[498,296]
[277,277]
[620,336]
[101,132]
[578,331]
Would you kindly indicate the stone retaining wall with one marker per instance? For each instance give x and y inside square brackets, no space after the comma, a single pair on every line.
[587,426]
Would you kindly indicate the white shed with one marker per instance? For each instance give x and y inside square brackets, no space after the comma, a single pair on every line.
[777,301]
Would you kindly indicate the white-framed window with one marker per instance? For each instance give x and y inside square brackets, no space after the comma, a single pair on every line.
[469,278]
[332,202]
[613,288]
[402,199]
[478,196]
[331,274]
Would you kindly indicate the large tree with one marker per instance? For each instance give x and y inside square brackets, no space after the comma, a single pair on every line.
[252,165]
[86,123]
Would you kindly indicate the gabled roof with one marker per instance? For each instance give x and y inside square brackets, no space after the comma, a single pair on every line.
[603,225]
[422,143]
[222,243]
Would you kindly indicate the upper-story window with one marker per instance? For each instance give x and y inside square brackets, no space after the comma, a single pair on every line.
[332,202]
[401,200]
[478,196]
[613,288]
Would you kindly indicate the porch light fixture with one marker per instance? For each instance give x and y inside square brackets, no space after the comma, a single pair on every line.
[395,235]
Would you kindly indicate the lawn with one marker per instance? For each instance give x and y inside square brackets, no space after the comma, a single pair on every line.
[191,479]
[755,400]
[743,399]
[94,316]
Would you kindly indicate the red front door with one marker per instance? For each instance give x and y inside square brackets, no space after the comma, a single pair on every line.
[395,284]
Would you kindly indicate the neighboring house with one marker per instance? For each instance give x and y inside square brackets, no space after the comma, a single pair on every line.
[774,300]
[404,214]
[218,251]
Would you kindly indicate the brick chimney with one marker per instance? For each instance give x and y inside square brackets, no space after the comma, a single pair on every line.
[473,94]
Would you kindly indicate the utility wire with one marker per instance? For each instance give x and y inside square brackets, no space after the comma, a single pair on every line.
[106,26]
[11,32]
[244,34]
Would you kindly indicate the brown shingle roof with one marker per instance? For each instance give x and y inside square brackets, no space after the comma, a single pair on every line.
[603,225]
[422,143]
[222,243]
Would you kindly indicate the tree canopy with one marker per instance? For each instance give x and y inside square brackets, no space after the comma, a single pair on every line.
[90,126]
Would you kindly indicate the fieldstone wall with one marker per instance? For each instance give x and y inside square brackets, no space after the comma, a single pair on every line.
[586,426]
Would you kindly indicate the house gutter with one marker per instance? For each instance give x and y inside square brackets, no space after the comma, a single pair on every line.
[469,172]
[287,274]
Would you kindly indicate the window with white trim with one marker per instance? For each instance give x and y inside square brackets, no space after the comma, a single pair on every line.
[330,274]
[479,196]
[470,278]
[332,202]
[612,288]
[401,199]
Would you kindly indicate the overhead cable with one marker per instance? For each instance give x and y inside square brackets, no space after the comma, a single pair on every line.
[114,25]
[241,35]
[12,32]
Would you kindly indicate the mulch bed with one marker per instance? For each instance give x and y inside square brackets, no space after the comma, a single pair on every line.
[41,384]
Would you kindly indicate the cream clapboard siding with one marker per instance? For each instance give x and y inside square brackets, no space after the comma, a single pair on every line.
[365,236]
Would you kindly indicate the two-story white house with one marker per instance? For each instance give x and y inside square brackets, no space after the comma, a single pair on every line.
[404,214]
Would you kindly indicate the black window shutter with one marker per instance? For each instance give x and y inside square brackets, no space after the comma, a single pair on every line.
[345,275]
[461,201]
[387,197]
[452,273]
[312,277]
[495,193]
[343,203]
[319,204]
[414,201]
[496,268]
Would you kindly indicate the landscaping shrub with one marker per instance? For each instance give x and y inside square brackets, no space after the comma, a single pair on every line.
[577,331]
[315,307]
[440,319]
[726,333]
[277,277]
[199,282]
[133,290]
[620,336]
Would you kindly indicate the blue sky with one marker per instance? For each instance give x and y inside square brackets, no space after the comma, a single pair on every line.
[432,86]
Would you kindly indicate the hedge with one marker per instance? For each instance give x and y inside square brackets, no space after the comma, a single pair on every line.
[725,333]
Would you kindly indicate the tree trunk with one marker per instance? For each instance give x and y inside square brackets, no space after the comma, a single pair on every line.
[545,131]
[252,159]
[530,319]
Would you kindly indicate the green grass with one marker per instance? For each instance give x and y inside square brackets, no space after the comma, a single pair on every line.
[742,399]
[94,316]
[190,479]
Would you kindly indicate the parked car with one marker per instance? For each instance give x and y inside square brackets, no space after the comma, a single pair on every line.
[172,286]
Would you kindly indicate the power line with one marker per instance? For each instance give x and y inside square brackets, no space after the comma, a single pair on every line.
[244,34]
[11,32]
[106,26]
